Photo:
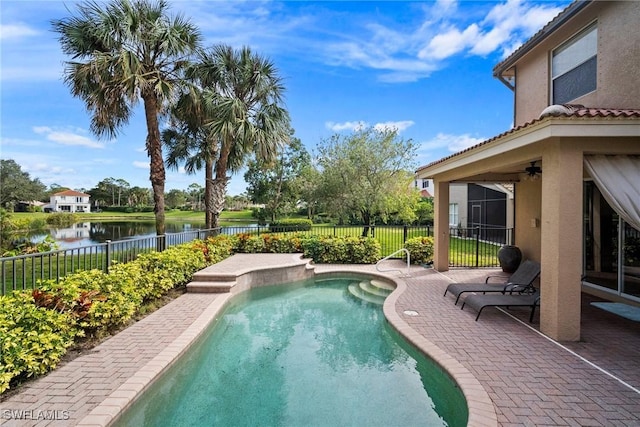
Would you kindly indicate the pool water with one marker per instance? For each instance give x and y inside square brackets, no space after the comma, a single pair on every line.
[301,354]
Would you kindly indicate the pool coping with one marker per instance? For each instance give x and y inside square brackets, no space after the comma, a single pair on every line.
[273,270]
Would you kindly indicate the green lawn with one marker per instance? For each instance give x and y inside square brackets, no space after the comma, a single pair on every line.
[170,215]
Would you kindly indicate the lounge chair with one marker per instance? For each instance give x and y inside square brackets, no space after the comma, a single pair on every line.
[519,281]
[479,301]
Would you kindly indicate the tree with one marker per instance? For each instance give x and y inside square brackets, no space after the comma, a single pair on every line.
[196,192]
[176,198]
[139,196]
[124,51]
[16,185]
[53,189]
[122,186]
[190,141]
[245,92]
[309,188]
[276,184]
[366,175]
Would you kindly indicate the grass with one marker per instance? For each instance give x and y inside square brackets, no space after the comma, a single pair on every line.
[173,215]
[462,252]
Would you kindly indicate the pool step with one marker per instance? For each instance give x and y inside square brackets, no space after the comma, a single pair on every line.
[373,291]
[211,282]
[210,287]
[377,288]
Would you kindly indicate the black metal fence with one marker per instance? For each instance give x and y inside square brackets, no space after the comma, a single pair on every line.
[468,247]
[24,271]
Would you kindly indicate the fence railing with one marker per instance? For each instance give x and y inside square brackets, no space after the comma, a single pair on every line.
[468,247]
[24,271]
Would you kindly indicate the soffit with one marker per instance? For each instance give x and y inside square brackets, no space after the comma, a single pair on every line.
[556,122]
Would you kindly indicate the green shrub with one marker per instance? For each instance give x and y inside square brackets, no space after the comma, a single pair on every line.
[291,224]
[216,248]
[421,249]
[342,250]
[36,327]
[32,339]
[62,219]
[170,268]
[322,249]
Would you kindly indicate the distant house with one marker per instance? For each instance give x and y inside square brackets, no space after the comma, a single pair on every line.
[425,186]
[573,158]
[69,201]
[488,206]
[25,206]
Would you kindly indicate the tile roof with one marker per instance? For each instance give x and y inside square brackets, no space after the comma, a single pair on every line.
[563,111]
[70,193]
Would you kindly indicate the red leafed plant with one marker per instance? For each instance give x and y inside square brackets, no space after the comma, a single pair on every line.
[78,308]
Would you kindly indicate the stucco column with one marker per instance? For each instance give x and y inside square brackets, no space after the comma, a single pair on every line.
[441,225]
[561,245]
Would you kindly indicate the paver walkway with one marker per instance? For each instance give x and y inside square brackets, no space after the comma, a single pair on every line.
[532,380]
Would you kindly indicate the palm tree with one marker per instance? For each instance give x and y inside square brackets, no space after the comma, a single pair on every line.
[190,141]
[244,93]
[124,51]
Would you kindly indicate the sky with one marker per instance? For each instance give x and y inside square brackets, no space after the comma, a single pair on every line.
[423,68]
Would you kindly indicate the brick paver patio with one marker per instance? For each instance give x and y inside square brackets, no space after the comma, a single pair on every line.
[530,379]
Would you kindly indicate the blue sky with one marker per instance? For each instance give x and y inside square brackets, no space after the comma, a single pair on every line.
[422,67]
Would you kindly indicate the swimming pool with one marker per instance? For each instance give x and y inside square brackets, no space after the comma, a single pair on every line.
[300,354]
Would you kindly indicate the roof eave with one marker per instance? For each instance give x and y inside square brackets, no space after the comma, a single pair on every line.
[558,127]
[568,13]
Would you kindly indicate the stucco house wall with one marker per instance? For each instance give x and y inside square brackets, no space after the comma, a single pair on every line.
[618,53]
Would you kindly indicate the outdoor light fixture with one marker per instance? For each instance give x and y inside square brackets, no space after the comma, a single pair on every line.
[533,171]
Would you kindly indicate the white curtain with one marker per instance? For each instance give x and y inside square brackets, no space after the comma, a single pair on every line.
[618,179]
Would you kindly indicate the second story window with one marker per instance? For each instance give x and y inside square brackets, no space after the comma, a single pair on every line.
[574,67]
[425,183]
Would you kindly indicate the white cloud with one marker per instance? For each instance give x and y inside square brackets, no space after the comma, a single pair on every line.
[508,25]
[67,137]
[359,125]
[15,31]
[350,126]
[399,126]
[449,43]
[408,53]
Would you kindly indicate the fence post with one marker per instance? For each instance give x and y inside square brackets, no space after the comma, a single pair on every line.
[404,234]
[108,256]
[477,246]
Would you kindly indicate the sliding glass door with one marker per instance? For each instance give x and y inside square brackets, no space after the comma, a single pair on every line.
[611,247]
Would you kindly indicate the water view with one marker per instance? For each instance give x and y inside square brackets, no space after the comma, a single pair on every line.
[92,233]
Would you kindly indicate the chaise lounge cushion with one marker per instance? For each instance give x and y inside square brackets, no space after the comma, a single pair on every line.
[521,280]
[480,301]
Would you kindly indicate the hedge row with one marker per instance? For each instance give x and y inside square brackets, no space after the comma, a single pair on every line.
[321,249]
[37,327]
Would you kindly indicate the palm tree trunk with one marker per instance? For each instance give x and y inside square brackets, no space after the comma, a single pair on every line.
[219,191]
[219,184]
[208,193]
[156,166]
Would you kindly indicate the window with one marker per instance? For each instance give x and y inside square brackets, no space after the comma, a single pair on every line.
[573,67]
[425,183]
[453,215]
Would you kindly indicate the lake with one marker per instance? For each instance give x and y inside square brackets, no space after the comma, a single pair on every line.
[92,233]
